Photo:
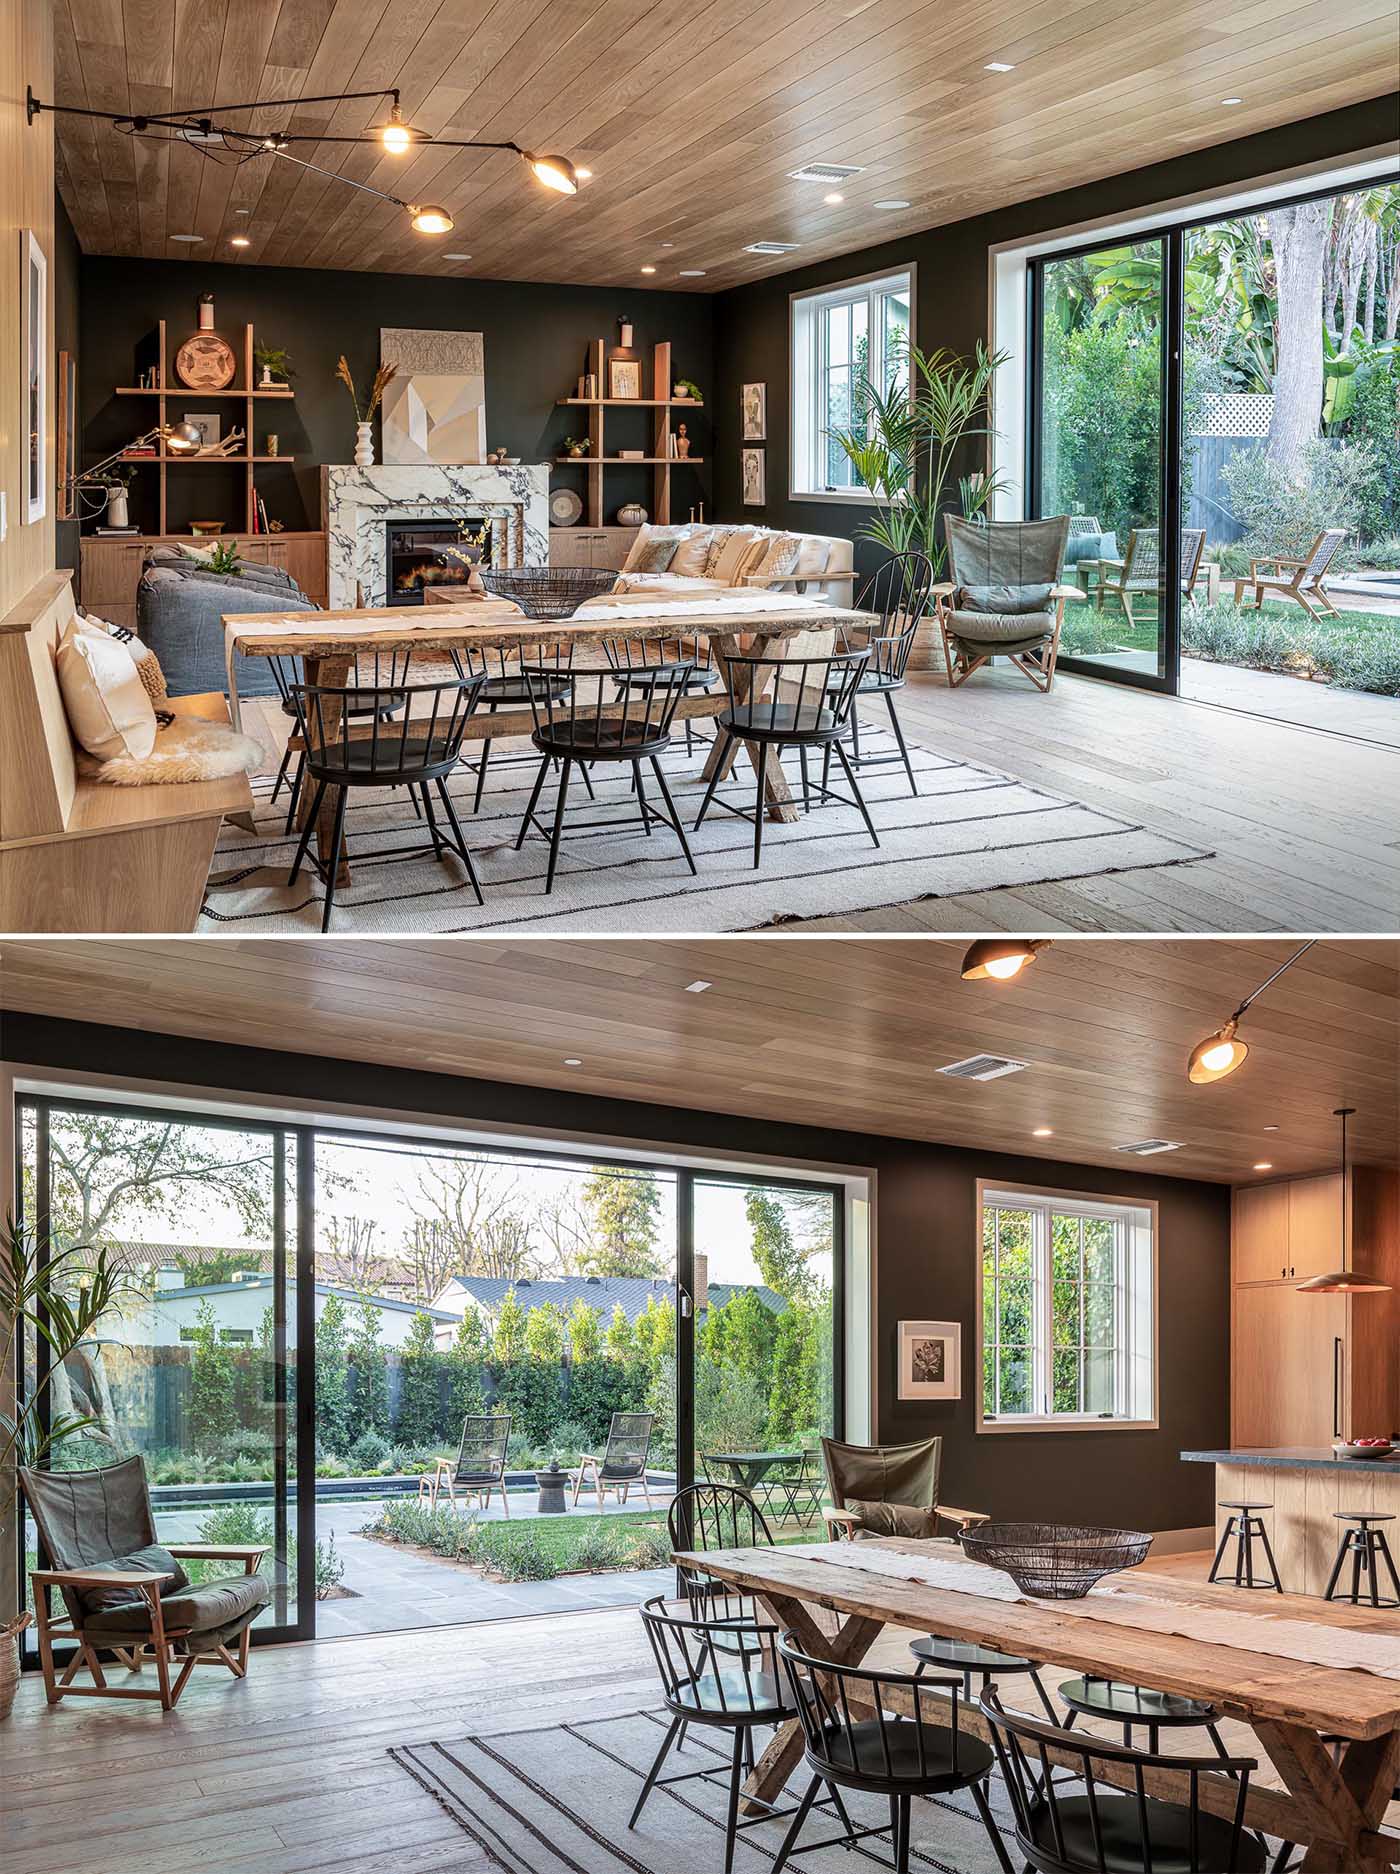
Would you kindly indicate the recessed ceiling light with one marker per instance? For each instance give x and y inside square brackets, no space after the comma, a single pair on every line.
[1043,1132]
[1232,100]
[833,199]
[242,211]
[998,65]
[191,238]
[239,240]
[825,172]
[1271,1128]
[1265,1164]
[668,243]
[1148,1148]
[648,270]
[770,247]
[573,1061]
[698,988]
[692,273]
[894,204]
[456,256]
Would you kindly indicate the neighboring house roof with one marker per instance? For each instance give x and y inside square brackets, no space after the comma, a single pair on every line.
[391,1303]
[384,1277]
[602,1292]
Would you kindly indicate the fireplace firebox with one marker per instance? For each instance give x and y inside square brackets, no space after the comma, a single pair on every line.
[417,555]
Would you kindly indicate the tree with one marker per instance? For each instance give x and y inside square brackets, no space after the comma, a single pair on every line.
[332,1377]
[504,1247]
[794,1396]
[585,1332]
[781,1262]
[420,1404]
[508,1335]
[655,1331]
[350,1240]
[562,1226]
[432,1254]
[369,1401]
[620,1343]
[473,1216]
[624,1214]
[466,1368]
[214,1266]
[544,1332]
[212,1411]
[1298,236]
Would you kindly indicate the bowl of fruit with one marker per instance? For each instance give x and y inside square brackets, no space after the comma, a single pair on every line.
[1365,1448]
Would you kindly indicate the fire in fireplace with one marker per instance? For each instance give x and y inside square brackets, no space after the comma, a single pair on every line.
[417,555]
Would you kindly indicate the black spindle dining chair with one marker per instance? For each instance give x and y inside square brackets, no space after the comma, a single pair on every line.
[1085,1824]
[383,675]
[625,655]
[417,748]
[505,686]
[796,702]
[898,594]
[886,1734]
[593,722]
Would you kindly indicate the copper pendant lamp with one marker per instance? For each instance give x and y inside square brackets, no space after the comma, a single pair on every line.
[1344,1281]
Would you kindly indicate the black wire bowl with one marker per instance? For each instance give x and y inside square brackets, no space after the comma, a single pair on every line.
[548,591]
[1055,1561]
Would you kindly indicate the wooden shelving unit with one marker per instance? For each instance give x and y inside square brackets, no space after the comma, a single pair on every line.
[660,461]
[166,393]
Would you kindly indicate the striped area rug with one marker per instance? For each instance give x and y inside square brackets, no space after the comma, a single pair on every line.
[971,829]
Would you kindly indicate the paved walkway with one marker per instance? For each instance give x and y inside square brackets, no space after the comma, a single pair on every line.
[395,1587]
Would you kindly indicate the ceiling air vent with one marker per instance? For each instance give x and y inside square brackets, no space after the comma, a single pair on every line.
[982,1067]
[825,172]
[770,247]
[1146,1148]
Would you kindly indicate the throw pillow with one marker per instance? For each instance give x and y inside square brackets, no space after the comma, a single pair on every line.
[692,554]
[781,557]
[202,554]
[106,702]
[146,662]
[645,547]
[153,1560]
[895,1519]
[718,538]
[732,554]
[753,559]
[1009,600]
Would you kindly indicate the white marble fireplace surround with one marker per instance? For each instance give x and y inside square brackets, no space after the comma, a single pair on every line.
[356,502]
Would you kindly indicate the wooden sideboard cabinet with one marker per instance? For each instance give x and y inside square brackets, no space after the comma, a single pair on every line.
[1307,1368]
[111,568]
[591,546]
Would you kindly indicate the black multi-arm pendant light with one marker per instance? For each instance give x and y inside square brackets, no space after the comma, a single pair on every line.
[201,129]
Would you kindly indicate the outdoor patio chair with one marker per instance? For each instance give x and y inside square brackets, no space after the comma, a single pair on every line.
[125,1593]
[793,1489]
[1138,573]
[887,1490]
[624,1463]
[480,1466]
[1003,597]
[1302,579]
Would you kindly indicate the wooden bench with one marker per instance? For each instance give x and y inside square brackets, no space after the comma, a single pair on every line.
[76,855]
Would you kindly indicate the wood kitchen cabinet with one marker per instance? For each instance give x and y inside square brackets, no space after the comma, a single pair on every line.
[111,568]
[591,546]
[1306,1368]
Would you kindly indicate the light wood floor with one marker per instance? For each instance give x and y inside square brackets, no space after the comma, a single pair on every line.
[286,1772]
[1304,826]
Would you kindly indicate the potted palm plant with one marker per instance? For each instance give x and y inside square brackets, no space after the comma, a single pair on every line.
[60,1300]
[904,444]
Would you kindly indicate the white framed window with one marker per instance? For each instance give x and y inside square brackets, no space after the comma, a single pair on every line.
[839,335]
[1067,1311]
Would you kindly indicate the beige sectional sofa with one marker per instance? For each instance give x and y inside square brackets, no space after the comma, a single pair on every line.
[710,557]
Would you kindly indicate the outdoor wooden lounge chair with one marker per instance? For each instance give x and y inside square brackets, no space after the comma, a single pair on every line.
[887,1490]
[125,1593]
[1138,573]
[1003,597]
[624,1463]
[1302,579]
[480,1467]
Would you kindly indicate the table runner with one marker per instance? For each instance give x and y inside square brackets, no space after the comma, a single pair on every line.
[440,618]
[1312,1642]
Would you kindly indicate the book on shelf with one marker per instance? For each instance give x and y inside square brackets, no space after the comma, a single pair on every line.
[116,530]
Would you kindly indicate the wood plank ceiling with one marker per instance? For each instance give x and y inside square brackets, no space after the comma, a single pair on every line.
[845,1034]
[690,113]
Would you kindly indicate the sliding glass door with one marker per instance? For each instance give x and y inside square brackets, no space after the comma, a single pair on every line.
[1099,424]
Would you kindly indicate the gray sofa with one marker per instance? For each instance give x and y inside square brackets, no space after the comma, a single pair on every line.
[179,614]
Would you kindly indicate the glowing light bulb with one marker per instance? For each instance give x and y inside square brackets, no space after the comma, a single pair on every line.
[1002,967]
[1219,1056]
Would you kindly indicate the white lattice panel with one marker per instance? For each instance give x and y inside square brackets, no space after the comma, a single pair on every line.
[1236,413]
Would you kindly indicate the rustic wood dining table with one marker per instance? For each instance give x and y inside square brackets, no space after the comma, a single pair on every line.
[1333,1810]
[328,643]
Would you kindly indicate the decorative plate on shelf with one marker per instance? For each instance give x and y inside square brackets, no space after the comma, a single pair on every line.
[206,362]
[564,507]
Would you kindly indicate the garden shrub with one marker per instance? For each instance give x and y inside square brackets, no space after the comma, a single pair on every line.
[516,1553]
[597,1548]
[368,1455]
[568,1440]
[532,1391]
[1375,421]
[1283,512]
[649,1546]
[1353,651]
[330,1568]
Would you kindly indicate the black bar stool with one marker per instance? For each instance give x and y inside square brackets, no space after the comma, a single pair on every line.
[1136,1707]
[968,1658]
[1245,1526]
[1367,1548]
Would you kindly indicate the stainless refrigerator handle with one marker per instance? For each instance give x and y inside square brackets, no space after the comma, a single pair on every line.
[1336,1385]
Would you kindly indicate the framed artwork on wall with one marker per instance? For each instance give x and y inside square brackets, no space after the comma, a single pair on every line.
[624,377]
[930,1360]
[34,348]
[207,423]
[752,477]
[66,435]
[753,412]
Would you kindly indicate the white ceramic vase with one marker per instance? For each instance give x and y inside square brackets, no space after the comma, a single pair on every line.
[364,445]
[116,507]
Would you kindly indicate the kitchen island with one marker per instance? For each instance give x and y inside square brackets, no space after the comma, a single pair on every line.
[1306,1486]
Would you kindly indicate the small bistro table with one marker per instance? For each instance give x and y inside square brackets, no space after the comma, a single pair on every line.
[1334,1810]
[327,643]
[750,1467]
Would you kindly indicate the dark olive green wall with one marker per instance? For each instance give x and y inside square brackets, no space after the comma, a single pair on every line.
[927,1233]
[751,322]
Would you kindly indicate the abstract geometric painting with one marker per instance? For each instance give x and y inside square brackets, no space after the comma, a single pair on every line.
[435,409]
